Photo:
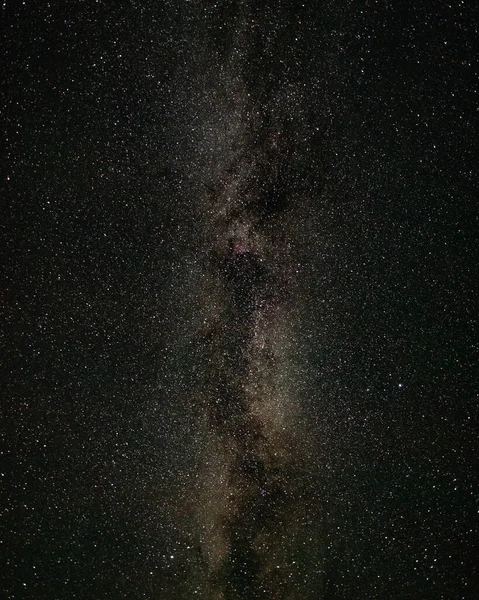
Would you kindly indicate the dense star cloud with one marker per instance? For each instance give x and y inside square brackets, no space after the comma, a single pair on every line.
[239,263]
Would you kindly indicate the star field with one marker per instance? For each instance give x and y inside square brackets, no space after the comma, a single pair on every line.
[238,296]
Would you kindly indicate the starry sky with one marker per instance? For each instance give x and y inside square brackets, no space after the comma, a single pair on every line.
[239,244]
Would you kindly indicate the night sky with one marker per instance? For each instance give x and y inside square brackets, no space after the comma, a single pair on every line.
[240,248]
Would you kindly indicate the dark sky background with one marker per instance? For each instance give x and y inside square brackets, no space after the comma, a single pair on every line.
[116,117]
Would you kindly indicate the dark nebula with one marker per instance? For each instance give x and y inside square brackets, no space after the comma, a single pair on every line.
[240,253]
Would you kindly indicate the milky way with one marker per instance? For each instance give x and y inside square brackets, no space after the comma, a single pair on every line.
[250,502]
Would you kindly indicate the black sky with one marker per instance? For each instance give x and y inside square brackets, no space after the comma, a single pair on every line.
[118,121]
